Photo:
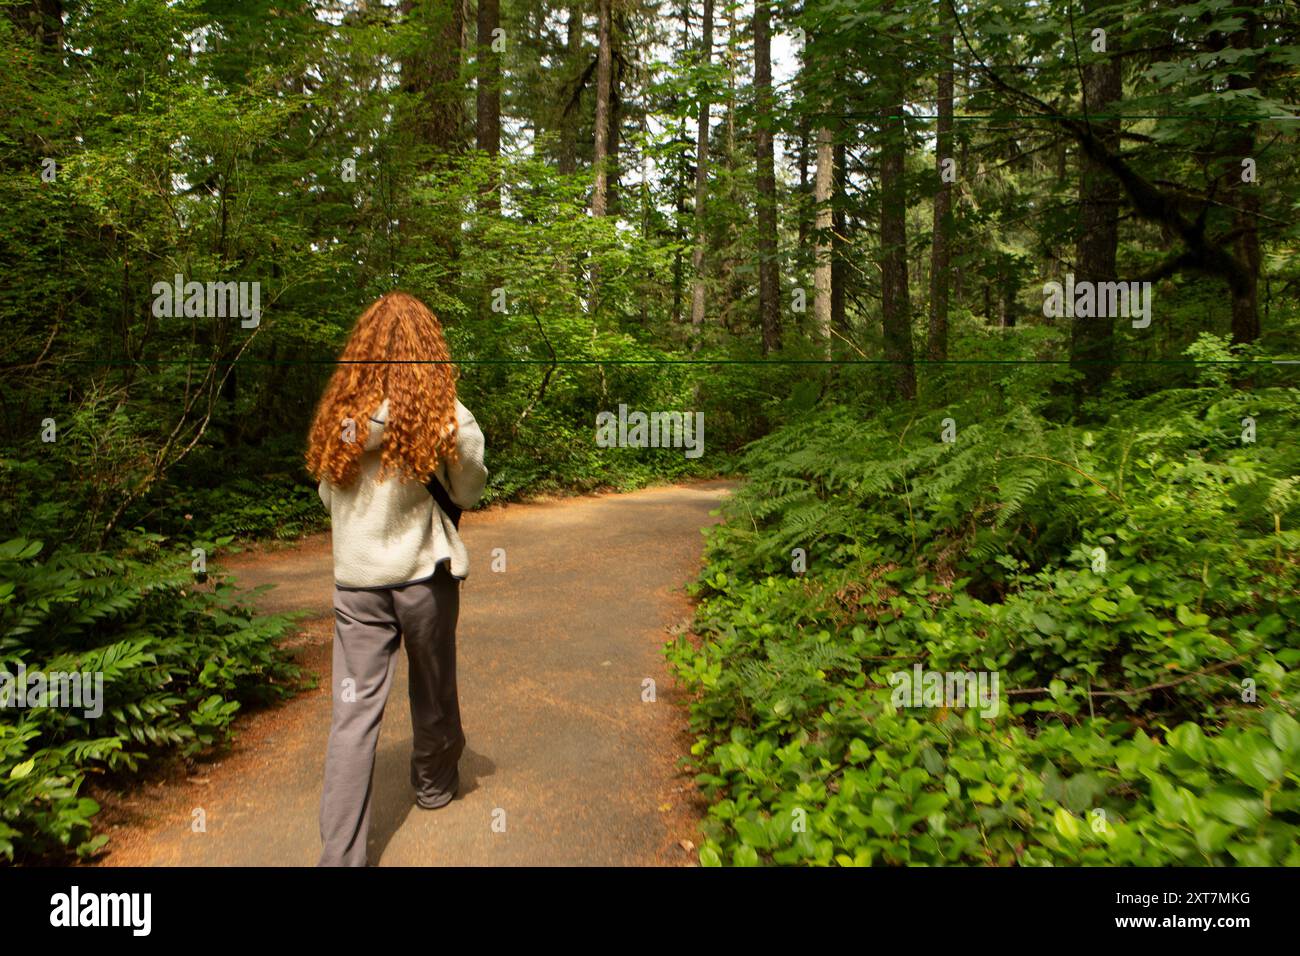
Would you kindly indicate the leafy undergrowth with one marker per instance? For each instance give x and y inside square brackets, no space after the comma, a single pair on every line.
[177,662]
[588,470]
[1132,586]
[279,506]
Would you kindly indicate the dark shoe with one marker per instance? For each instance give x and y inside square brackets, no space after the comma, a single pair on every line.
[440,799]
[441,802]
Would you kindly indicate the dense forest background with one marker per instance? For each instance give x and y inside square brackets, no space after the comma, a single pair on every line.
[828,226]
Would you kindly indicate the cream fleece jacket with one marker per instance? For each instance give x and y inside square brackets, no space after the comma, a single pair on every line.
[391,532]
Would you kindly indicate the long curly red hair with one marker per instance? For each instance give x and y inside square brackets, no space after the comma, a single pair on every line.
[396,351]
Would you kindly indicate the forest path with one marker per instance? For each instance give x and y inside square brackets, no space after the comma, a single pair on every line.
[552,654]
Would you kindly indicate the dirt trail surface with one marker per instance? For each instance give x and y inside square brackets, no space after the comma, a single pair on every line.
[552,656]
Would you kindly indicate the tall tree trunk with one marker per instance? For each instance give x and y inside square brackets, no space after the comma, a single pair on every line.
[804,149]
[617,30]
[1245,291]
[571,111]
[823,184]
[679,188]
[701,170]
[604,75]
[732,58]
[600,152]
[962,135]
[433,72]
[1092,338]
[940,253]
[733,286]
[431,77]
[839,222]
[488,118]
[896,308]
[487,126]
[679,202]
[769,287]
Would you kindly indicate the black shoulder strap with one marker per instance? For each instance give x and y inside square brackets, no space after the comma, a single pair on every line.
[449,507]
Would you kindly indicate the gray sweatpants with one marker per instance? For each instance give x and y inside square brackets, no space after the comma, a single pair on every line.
[368,626]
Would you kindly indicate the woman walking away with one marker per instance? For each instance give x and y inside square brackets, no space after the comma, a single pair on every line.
[389,423]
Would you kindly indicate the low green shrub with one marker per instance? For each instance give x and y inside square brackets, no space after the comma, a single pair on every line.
[1132,585]
[177,661]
